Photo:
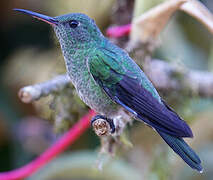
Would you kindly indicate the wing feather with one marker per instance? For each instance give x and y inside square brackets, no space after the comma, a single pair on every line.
[123,86]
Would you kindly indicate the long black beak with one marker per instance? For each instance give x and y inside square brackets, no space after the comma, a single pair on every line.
[47,19]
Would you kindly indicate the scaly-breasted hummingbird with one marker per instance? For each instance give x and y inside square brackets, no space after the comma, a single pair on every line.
[109,81]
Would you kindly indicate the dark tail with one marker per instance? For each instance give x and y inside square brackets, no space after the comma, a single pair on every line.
[183,150]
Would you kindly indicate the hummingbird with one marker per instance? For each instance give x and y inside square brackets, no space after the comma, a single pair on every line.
[109,81]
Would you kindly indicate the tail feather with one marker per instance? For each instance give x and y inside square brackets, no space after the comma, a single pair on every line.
[183,150]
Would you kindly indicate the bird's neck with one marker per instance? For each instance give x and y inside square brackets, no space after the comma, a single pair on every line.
[75,56]
[76,53]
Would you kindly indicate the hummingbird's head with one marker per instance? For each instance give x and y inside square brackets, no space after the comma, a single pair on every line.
[71,29]
[77,27]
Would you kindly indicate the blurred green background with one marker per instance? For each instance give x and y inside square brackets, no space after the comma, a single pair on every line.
[30,53]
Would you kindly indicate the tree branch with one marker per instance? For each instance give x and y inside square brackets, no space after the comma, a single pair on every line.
[34,92]
[171,77]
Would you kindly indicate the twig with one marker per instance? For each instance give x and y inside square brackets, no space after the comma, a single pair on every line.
[34,92]
[66,140]
[168,77]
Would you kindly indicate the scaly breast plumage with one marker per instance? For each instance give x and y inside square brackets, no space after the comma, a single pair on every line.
[88,90]
[94,96]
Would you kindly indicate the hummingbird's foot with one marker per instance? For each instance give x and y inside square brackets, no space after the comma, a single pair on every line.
[102,125]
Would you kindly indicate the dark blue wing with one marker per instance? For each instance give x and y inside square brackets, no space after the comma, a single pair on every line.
[117,79]
[137,100]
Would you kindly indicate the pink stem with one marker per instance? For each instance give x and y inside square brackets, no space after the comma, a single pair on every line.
[67,139]
[118,31]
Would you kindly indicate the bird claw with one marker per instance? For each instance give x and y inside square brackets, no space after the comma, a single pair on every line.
[102,125]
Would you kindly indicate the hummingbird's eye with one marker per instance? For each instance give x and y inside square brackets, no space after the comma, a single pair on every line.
[73,23]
